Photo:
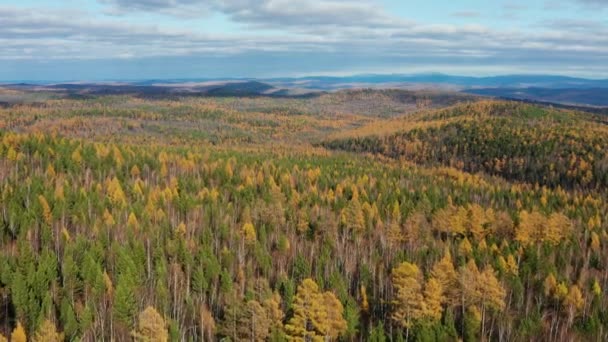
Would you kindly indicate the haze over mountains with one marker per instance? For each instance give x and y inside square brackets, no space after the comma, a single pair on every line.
[562,90]
[512,81]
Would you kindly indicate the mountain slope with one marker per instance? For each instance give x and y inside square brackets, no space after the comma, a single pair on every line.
[517,141]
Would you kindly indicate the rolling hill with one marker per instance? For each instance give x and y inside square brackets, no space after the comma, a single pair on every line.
[517,141]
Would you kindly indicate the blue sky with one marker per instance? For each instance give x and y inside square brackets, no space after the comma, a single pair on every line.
[144,39]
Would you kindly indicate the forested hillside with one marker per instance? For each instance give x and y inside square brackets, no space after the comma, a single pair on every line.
[516,141]
[207,219]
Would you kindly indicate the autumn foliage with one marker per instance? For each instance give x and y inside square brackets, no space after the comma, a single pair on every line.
[481,221]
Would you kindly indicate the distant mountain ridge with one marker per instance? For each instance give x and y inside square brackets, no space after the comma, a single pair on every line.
[562,90]
[512,81]
[331,82]
[588,96]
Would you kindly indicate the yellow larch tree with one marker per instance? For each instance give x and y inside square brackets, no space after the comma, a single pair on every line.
[316,316]
[77,157]
[459,221]
[412,228]
[18,334]
[433,299]
[536,228]
[135,172]
[442,218]
[443,271]
[355,221]
[254,323]
[364,300]
[465,248]
[151,327]
[248,233]
[596,289]
[561,291]
[595,242]
[408,300]
[115,193]
[302,223]
[47,332]
[108,219]
[132,221]
[118,158]
[334,324]
[481,288]
[530,227]
[59,192]
[272,305]
[558,227]
[492,292]
[573,302]
[468,277]
[549,284]
[46,210]
[512,266]
[477,221]
[50,172]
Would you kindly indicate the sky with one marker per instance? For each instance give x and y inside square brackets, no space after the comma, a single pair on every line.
[176,39]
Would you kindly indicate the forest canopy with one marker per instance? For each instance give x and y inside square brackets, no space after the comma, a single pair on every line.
[301,219]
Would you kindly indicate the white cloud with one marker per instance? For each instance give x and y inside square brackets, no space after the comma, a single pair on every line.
[356,32]
[267,13]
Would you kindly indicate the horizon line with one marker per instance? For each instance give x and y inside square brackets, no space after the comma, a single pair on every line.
[319,75]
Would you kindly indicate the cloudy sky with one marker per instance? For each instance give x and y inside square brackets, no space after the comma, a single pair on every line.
[144,39]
